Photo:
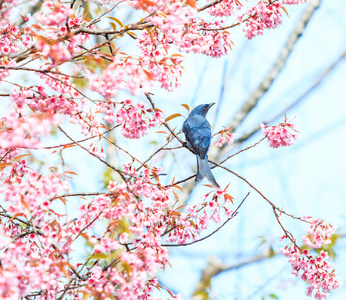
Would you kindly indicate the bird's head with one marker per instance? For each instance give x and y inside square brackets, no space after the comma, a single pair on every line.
[201,109]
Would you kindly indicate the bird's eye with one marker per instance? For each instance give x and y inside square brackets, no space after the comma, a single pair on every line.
[204,108]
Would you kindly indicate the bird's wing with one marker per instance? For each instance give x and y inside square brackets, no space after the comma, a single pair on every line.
[198,134]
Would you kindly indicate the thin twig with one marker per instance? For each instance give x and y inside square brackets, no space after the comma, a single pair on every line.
[216,230]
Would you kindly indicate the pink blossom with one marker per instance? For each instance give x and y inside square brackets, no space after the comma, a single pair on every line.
[290,2]
[262,16]
[319,233]
[120,75]
[220,141]
[280,135]
[224,8]
[314,269]
[24,132]
[225,136]
[136,119]
[54,13]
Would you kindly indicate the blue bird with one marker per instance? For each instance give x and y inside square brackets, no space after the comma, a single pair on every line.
[198,136]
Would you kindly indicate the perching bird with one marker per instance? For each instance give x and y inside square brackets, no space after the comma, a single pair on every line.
[198,135]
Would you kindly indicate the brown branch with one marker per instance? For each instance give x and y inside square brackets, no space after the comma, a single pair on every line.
[268,80]
[112,31]
[117,146]
[204,7]
[121,173]
[88,225]
[254,188]
[45,71]
[240,151]
[148,95]
[315,85]
[215,164]
[73,143]
[156,152]
[212,233]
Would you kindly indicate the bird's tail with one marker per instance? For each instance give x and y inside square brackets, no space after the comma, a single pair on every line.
[203,170]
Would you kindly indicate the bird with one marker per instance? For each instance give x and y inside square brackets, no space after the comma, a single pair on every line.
[198,136]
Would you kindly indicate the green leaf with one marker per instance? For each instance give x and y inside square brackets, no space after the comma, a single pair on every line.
[271,252]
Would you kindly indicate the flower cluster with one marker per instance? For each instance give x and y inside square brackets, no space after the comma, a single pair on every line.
[224,8]
[199,36]
[262,16]
[5,73]
[96,150]
[58,52]
[135,120]
[319,233]
[54,13]
[315,270]
[290,2]
[225,136]
[43,103]
[30,260]
[60,83]
[280,135]
[12,39]
[161,66]
[107,108]
[119,75]
[198,217]
[5,11]
[149,6]
[17,131]
[143,231]
[172,16]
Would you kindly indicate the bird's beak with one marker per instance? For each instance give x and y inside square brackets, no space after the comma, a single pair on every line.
[210,105]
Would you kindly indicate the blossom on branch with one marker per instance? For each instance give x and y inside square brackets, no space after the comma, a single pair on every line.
[315,270]
[262,16]
[135,120]
[280,135]
[64,56]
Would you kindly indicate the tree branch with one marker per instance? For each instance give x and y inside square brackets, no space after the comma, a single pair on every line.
[268,80]
[216,230]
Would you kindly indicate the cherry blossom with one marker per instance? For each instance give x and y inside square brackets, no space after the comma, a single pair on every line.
[224,8]
[135,120]
[280,135]
[262,16]
[315,269]
[318,233]
[225,136]
[76,74]
[119,75]
[290,2]
[54,13]
[24,132]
